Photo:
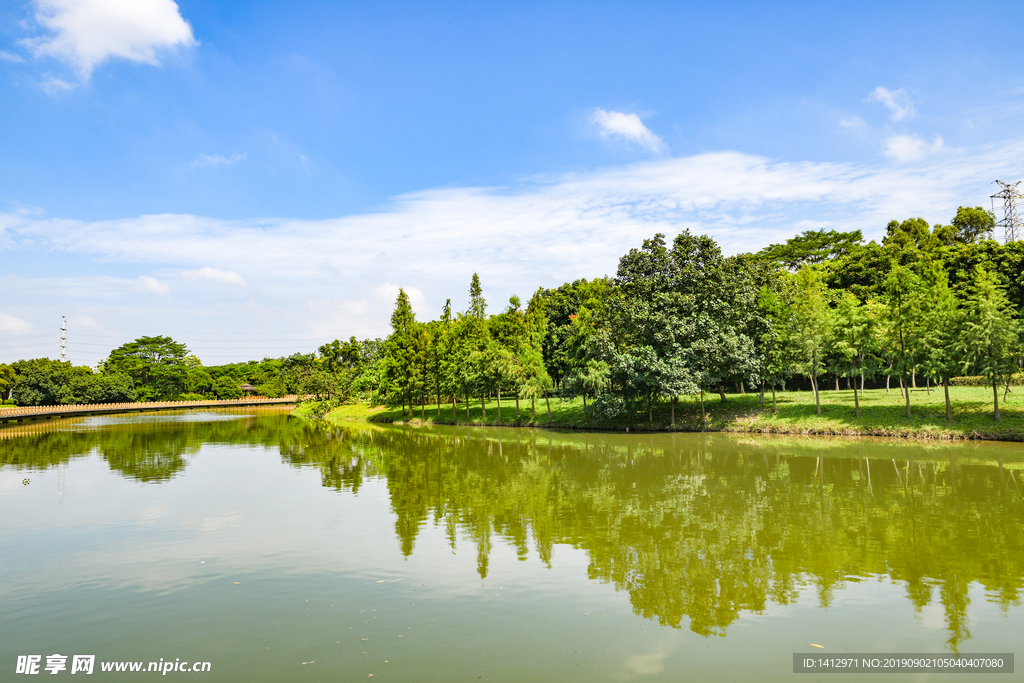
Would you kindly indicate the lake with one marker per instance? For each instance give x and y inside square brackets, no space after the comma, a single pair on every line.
[278,550]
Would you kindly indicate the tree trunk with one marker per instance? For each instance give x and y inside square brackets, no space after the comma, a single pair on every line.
[848,383]
[913,377]
[650,407]
[817,399]
[949,409]
[906,392]
[533,406]
[499,404]
[517,406]
[703,415]
[548,399]
[742,388]
[721,392]
[672,412]
[837,382]
[862,381]
[995,397]
[856,402]
[775,408]
[453,406]
[760,399]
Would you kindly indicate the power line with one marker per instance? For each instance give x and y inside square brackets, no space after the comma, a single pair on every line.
[955,200]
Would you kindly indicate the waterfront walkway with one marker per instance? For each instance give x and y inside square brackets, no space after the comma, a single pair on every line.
[27,413]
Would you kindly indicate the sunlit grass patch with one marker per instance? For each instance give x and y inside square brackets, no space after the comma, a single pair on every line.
[882,414]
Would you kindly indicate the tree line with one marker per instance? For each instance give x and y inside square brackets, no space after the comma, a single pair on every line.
[152,369]
[926,305]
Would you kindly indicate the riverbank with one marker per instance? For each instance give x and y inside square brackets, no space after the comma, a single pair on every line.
[882,414]
[11,414]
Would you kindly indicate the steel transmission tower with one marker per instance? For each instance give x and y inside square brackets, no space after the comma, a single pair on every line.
[63,338]
[1011,219]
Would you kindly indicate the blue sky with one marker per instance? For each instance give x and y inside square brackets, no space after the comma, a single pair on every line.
[257,178]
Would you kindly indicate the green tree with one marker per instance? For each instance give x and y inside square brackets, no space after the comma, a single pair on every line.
[227,388]
[6,380]
[562,346]
[854,341]
[403,350]
[681,320]
[812,247]
[510,332]
[477,304]
[468,368]
[157,365]
[812,323]
[990,342]
[535,382]
[777,343]
[902,289]
[940,329]
[973,225]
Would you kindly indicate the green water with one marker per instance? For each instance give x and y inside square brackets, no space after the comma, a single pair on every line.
[280,551]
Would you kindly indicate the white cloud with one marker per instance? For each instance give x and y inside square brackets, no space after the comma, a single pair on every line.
[215,274]
[852,122]
[85,33]
[8,323]
[321,279]
[53,85]
[897,101]
[907,148]
[218,160]
[628,126]
[147,283]
[8,57]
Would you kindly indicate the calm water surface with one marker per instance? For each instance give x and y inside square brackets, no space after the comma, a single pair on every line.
[280,551]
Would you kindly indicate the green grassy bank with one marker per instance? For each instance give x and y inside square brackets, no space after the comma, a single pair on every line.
[882,414]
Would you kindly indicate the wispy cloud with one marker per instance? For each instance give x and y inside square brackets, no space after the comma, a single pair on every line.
[85,33]
[8,57]
[52,85]
[218,160]
[628,127]
[147,283]
[8,323]
[898,102]
[907,148]
[334,277]
[215,274]
[852,122]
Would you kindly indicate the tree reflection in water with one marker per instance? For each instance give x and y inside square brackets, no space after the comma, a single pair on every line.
[693,527]
[704,528]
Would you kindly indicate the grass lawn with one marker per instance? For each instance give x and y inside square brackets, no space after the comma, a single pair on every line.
[882,414]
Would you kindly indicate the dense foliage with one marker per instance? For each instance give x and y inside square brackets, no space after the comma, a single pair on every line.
[928,304]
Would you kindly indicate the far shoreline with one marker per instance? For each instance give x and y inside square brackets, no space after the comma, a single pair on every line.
[882,415]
